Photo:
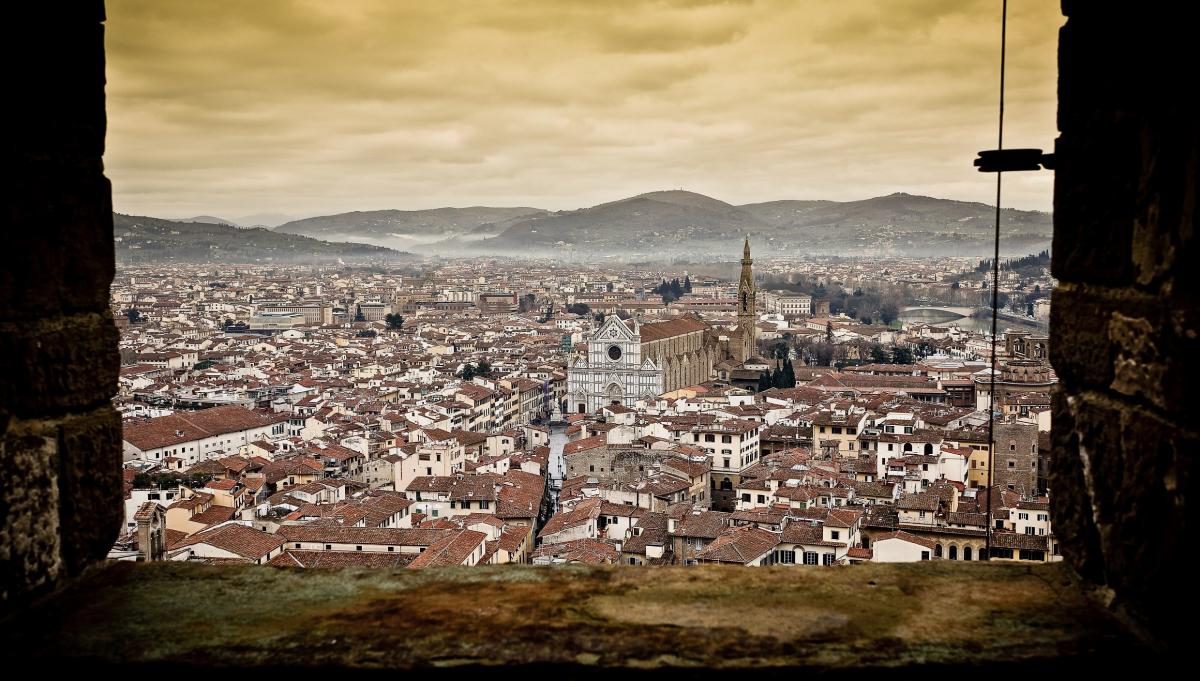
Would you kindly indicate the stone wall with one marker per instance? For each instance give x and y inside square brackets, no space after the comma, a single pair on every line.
[60,439]
[1124,319]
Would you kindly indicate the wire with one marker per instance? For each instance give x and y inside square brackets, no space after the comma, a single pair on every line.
[995,296]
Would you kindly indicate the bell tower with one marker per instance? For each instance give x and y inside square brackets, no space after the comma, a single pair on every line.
[747,305]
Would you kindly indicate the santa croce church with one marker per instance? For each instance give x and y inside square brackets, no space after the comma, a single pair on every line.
[627,361]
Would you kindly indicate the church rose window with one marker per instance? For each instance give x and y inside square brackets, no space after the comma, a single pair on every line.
[614,353]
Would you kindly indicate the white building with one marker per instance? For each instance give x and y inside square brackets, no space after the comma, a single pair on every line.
[613,371]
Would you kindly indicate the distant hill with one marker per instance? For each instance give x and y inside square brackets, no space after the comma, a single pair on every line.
[145,239]
[402,228]
[681,223]
[209,220]
[269,220]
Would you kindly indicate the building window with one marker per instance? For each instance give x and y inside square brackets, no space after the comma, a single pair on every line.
[924,555]
[835,534]
[810,557]
[827,559]
[358,548]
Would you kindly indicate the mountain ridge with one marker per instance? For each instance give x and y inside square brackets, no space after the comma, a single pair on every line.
[676,222]
[147,239]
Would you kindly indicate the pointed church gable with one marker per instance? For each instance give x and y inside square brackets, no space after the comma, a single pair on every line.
[614,328]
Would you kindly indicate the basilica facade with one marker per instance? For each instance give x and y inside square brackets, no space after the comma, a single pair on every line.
[627,361]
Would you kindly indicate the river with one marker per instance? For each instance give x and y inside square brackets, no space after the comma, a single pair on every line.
[977,324]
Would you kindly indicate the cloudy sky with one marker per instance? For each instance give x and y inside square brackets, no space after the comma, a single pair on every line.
[316,107]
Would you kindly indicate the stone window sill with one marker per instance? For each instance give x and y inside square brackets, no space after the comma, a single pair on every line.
[574,618]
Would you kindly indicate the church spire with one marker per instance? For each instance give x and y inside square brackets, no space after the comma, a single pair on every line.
[747,308]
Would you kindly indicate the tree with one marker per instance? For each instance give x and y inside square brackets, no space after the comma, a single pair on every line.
[879,355]
[902,355]
[828,332]
[764,381]
[687,284]
[789,374]
[888,313]
[358,314]
[823,353]
[777,378]
[134,315]
[779,350]
[467,372]
[228,323]
[955,286]
[394,321]
[483,368]
[579,308]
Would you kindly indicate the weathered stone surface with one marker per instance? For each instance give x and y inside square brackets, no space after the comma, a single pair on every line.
[1124,320]
[1072,503]
[89,480]
[575,618]
[59,244]
[57,364]
[29,541]
[60,452]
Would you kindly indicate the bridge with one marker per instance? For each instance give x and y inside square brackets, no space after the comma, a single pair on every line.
[960,311]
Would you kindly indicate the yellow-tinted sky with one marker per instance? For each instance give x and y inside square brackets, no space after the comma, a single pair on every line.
[312,107]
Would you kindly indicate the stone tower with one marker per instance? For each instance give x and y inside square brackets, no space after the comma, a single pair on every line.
[747,305]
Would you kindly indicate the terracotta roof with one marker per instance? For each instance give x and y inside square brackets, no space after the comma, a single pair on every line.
[341,559]
[190,426]
[237,539]
[739,545]
[675,327]
[905,536]
[453,550]
[590,551]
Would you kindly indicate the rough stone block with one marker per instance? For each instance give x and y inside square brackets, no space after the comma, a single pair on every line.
[58,364]
[1135,469]
[1094,203]
[61,245]
[1071,501]
[29,540]
[89,486]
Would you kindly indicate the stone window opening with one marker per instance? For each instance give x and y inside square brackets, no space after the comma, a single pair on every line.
[71,251]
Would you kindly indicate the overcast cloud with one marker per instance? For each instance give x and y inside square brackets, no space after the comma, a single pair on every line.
[236,107]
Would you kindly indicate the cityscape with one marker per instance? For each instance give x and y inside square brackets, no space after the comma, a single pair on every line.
[475,411]
[651,337]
